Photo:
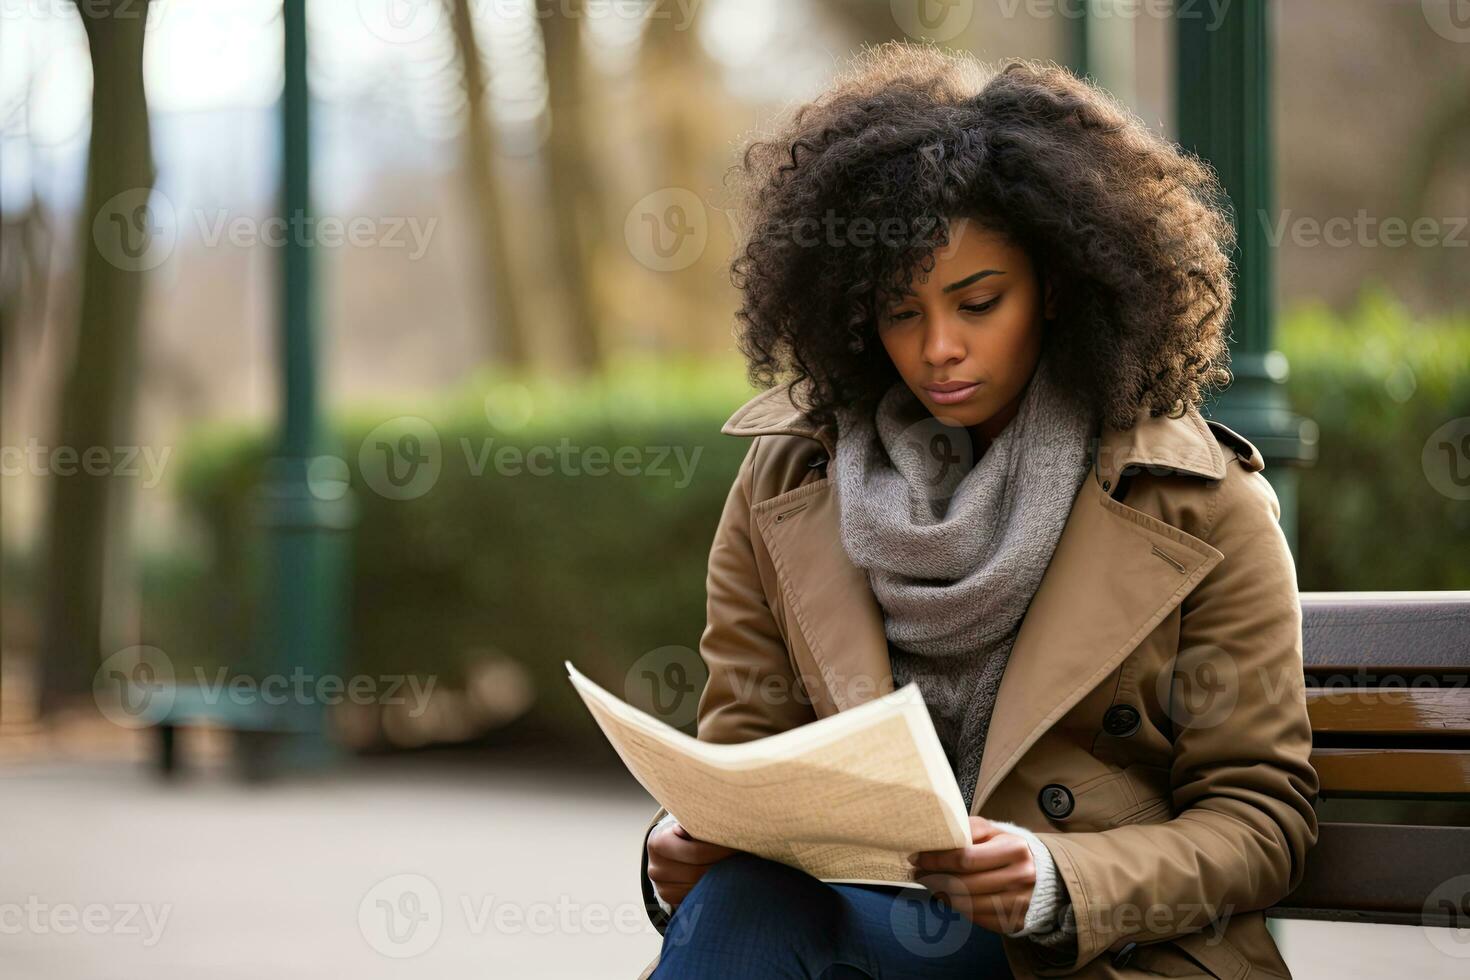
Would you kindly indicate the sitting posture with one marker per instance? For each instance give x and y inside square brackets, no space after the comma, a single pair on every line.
[986,307]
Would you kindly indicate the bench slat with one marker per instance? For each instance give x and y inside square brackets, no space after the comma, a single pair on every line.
[1393,771]
[1387,630]
[1380,873]
[1390,710]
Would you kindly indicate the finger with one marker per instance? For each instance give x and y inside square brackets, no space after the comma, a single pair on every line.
[683,832]
[1002,914]
[686,850]
[1014,878]
[997,852]
[941,860]
[662,872]
[998,913]
[982,829]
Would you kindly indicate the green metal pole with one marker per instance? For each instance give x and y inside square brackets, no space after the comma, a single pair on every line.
[1224,116]
[305,514]
[1076,41]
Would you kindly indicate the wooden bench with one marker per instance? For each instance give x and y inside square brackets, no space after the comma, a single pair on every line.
[1388,689]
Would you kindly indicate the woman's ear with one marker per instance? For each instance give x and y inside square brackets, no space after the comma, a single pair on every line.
[1049,300]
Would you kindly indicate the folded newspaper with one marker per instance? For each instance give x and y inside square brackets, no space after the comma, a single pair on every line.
[845,798]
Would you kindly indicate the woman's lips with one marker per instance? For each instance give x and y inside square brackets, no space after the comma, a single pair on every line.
[953,395]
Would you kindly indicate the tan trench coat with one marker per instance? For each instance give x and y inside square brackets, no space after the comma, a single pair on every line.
[1150,726]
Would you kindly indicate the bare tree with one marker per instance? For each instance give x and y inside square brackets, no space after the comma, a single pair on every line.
[507,332]
[25,253]
[678,94]
[573,205]
[97,393]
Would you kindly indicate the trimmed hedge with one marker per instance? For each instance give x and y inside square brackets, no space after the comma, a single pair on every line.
[598,561]
[1378,383]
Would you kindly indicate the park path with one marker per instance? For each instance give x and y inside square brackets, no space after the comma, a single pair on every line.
[479,870]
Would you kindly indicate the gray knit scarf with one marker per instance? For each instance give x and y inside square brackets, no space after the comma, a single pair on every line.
[955,549]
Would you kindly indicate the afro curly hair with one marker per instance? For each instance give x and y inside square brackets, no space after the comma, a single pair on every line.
[1133,232]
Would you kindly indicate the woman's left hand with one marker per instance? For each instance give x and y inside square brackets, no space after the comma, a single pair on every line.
[989,881]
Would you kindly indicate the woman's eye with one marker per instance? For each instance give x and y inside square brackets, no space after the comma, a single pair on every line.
[901,315]
[980,307]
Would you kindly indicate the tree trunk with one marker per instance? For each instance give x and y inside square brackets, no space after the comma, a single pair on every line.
[573,208]
[674,77]
[96,403]
[508,343]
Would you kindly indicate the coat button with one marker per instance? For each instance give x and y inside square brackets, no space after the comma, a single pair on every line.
[1121,720]
[1124,955]
[1056,800]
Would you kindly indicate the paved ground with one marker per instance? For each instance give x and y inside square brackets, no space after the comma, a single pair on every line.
[479,871]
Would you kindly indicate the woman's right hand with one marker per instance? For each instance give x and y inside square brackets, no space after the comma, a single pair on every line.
[677,860]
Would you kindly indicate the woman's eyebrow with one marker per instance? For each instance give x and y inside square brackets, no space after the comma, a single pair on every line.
[970,279]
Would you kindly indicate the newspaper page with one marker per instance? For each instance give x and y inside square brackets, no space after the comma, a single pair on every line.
[844,798]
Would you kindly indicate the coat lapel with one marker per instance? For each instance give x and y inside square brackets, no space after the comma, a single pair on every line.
[827,598]
[1115,575]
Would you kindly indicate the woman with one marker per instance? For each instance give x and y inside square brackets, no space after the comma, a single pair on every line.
[994,303]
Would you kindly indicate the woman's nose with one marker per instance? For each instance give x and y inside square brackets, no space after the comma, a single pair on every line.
[943,342]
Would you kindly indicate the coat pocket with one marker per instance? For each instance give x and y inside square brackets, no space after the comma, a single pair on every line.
[1149,811]
[1201,954]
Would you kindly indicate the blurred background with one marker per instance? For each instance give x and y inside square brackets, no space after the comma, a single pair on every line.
[364,360]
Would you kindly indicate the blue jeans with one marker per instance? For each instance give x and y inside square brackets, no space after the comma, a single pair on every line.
[752,917]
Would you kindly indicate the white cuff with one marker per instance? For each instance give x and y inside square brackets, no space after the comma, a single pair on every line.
[1048,897]
[666,819]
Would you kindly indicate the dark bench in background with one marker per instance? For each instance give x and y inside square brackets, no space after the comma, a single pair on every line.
[1388,689]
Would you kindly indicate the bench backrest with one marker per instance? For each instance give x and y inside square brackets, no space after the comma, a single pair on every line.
[1388,691]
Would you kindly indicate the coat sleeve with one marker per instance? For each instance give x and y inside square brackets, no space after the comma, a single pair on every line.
[1242,782]
[752,690]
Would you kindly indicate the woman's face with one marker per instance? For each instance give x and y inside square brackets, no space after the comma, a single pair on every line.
[967,337]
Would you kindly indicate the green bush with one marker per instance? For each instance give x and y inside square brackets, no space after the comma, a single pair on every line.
[1378,383]
[596,569]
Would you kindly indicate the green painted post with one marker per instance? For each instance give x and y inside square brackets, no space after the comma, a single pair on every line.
[1224,115]
[306,510]
[1076,40]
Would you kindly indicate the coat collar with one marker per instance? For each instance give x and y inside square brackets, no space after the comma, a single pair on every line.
[1116,573]
[1182,445]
